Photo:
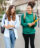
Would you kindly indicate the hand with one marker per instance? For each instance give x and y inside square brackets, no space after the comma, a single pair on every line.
[11,26]
[30,24]
[33,23]
[6,26]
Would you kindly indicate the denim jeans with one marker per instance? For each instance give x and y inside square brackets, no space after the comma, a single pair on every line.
[10,42]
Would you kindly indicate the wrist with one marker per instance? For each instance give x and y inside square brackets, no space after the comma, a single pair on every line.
[12,26]
[33,23]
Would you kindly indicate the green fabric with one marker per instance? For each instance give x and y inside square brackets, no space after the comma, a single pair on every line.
[24,22]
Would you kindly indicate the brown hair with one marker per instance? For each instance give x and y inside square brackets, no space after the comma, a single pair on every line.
[9,13]
[31,3]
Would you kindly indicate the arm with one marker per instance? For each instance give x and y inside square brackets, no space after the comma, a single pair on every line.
[17,23]
[35,22]
[3,20]
[22,21]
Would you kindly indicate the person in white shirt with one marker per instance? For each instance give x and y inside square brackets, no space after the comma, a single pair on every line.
[11,24]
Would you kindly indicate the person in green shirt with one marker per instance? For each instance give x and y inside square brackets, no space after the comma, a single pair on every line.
[29,25]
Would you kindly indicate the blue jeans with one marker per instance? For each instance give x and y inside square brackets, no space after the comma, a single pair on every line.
[9,42]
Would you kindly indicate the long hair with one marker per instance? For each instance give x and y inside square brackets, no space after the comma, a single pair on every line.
[9,13]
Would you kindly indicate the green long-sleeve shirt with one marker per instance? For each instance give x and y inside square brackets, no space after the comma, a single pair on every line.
[28,19]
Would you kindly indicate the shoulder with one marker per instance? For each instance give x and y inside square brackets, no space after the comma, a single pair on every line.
[35,15]
[3,14]
[17,16]
[22,15]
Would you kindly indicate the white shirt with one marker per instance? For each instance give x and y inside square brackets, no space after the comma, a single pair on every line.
[16,23]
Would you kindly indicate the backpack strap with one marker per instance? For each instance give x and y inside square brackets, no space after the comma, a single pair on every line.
[24,14]
[34,16]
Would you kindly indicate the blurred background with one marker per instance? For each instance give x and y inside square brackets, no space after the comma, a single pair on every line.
[21,5]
